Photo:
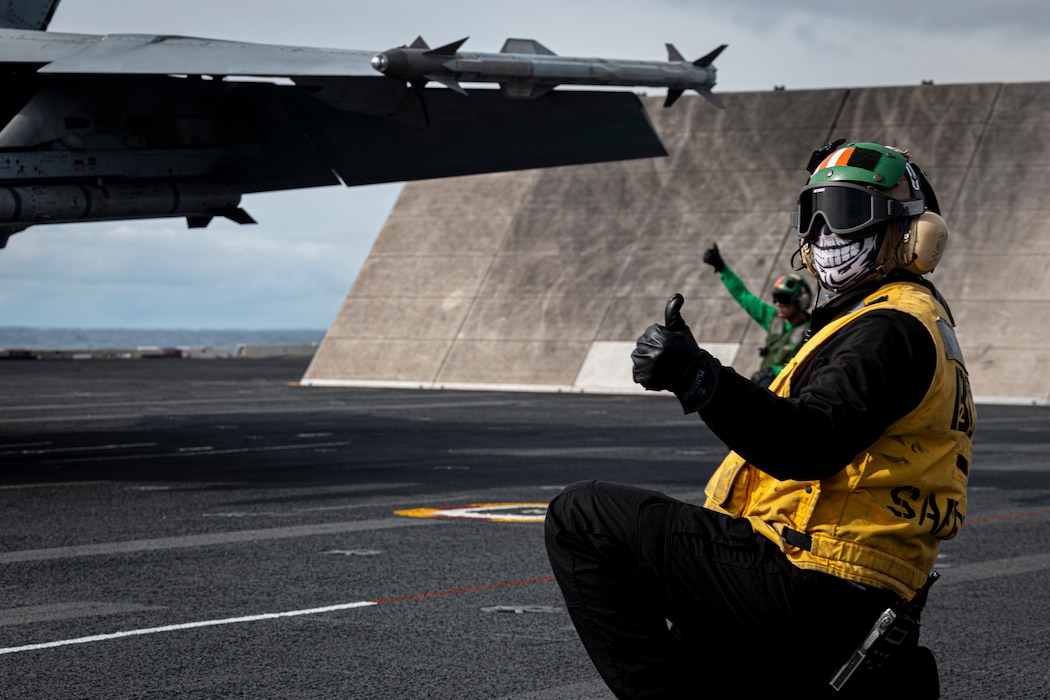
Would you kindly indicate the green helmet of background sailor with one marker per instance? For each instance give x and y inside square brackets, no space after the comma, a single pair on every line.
[865,211]
[792,287]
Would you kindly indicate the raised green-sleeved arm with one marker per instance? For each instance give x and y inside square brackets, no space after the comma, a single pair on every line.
[757,309]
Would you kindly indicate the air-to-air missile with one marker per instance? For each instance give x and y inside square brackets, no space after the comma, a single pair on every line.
[134,126]
[526,69]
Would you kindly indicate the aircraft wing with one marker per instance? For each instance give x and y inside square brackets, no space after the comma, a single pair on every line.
[146,54]
[129,126]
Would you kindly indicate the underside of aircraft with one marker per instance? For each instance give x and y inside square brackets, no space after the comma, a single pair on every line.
[147,126]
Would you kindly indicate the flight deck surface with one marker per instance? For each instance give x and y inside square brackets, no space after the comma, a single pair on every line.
[210,529]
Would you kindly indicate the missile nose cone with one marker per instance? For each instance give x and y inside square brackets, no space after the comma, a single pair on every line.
[380,62]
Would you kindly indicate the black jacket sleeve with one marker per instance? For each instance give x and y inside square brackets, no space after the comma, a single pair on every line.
[870,373]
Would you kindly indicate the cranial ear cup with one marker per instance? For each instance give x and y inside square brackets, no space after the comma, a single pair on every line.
[918,248]
[922,245]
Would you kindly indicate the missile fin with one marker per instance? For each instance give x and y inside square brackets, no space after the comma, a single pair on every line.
[418,44]
[237,215]
[7,231]
[525,91]
[526,46]
[672,96]
[448,81]
[705,61]
[447,49]
[710,97]
[673,54]
[198,221]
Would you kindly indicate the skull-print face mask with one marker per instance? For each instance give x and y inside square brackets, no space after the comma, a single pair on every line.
[843,263]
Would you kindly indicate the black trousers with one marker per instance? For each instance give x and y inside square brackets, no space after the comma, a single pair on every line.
[672,600]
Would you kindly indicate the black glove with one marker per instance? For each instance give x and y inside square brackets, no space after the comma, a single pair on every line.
[713,258]
[667,358]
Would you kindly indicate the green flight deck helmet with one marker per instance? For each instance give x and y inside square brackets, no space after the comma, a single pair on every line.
[876,165]
[794,287]
[877,205]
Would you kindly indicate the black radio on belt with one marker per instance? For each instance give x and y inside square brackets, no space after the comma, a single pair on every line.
[894,630]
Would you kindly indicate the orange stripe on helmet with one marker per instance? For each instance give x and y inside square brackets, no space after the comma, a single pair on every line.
[840,156]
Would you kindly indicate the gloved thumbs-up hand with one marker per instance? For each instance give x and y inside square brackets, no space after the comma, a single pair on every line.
[663,351]
[673,320]
[713,258]
[667,357]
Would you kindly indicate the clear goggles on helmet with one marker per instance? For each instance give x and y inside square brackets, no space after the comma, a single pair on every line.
[848,209]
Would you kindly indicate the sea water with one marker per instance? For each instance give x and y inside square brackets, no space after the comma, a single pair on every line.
[23,338]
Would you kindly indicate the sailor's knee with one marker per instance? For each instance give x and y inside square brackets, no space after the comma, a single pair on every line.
[563,504]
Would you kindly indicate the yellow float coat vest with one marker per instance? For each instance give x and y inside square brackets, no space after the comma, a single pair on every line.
[880,520]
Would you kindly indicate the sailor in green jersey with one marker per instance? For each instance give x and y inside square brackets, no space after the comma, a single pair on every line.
[785,321]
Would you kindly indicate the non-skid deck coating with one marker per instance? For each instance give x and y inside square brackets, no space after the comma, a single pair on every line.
[208,529]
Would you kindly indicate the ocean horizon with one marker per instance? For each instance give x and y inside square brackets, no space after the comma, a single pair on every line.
[28,338]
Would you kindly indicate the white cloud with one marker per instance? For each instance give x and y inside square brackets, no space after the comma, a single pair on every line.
[291,271]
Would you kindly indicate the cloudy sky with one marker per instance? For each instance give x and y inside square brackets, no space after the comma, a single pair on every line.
[293,269]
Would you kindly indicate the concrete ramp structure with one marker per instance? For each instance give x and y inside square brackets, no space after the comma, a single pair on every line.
[541,280]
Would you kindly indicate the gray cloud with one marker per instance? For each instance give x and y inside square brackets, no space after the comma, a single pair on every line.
[962,18]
